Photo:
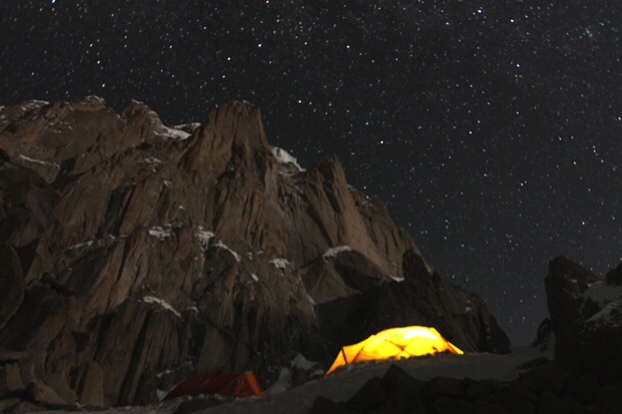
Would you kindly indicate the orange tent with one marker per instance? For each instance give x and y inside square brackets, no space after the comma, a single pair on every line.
[237,384]
[396,343]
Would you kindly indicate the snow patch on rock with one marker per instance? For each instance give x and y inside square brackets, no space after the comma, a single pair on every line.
[161,233]
[283,157]
[602,293]
[174,133]
[39,162]
[33,104]
[204,237]
[221,245]
[301,362]
[153,160]
[609,300]
[398,279]
[162,303]
[335,251]
[609,315]
[93,242]
[280,263]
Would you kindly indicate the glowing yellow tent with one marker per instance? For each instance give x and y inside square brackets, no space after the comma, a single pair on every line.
[396,343]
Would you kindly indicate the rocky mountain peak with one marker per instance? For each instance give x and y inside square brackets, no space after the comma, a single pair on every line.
[136,254]
[231,129]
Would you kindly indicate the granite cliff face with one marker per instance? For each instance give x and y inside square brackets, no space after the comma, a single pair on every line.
[134,254]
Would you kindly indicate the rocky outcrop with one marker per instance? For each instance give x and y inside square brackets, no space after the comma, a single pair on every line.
[545,338]
[135,254]
[586,319]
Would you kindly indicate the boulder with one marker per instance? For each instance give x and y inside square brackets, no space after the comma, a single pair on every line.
[26,407]
[7,404]
[45,395]
[583,389]
[451,405]
[551,403]
[324,405]
[10,380]
[404,391]
[444,387]
[609,399]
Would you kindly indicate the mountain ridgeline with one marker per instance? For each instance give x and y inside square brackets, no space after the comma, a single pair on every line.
[134,255]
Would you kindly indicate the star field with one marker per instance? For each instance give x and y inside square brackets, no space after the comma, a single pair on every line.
[491,129]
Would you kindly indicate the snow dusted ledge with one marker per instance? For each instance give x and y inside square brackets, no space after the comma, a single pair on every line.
[47,164]
[162,303]
[280,263]
[335,251]
[235,254]
[283,157]
[204,237]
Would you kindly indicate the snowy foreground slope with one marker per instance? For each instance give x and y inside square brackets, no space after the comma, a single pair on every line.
[344,384]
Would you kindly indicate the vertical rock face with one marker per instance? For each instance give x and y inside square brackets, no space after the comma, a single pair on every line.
[586,318]
[134,255]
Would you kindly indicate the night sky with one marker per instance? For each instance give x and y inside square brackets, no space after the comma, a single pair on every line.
[492,129]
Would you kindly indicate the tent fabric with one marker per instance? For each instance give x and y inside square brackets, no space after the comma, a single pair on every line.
[396,343]
[237,384]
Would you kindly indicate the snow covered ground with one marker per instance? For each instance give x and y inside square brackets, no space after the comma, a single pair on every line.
[344,384]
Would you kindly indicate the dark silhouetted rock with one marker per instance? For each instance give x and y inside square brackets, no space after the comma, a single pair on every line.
[444,386]
[45,395]
[525,390]
[404,391]
[547,388]
[552,404]
[389,407]
[534,363]
[476,390]
[583,389]
[135,255]
[565,284]
[396,379]
[371,396]
[609,399]
[517,404]
[548,377]
[26,407]
[197,404]
[586,318]
[324,405]
[6,405]
[10,380]
[490,407]
[614,277]
[545,338]
[450,405]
